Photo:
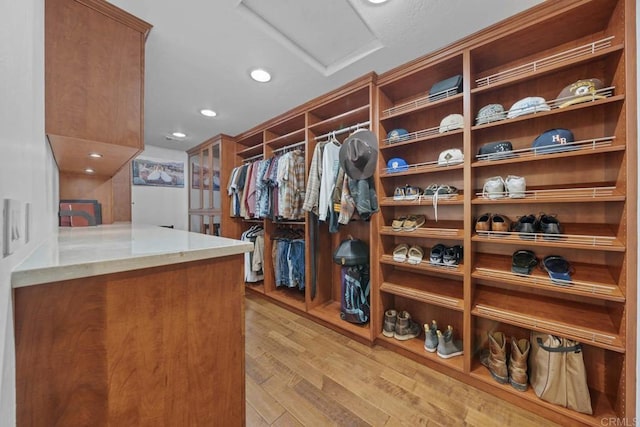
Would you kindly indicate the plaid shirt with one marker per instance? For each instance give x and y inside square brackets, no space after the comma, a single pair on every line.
[291,185]
[312,196]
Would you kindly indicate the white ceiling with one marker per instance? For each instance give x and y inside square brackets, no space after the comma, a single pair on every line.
[199,53]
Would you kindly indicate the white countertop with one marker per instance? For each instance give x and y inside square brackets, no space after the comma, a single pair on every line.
[75,252]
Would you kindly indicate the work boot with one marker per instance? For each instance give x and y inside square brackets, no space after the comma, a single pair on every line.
[447,347]
[431,337]
[496,357]
[518,363]
[405,327]
[389,325]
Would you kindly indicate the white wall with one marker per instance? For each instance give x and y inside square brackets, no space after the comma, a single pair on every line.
[27,170]
[161,205]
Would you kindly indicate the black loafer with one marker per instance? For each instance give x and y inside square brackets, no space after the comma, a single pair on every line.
[523,261]
[548,225]
[525,226]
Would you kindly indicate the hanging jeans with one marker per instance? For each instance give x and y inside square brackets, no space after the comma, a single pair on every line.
[296,263]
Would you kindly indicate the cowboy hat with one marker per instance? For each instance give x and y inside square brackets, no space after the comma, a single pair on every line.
[359,154]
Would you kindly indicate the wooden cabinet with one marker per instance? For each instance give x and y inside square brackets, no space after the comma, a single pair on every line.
[590,187]
[208,198]
[94,84]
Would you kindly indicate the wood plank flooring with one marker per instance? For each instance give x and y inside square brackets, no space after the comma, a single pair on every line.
[299,373]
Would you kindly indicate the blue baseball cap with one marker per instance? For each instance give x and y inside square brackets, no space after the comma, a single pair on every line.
[397,165]
[397,135]
[554,141]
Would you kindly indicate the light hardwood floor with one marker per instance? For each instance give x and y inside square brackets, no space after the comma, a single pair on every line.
[299,373]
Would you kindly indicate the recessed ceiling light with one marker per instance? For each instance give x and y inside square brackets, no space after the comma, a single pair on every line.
[260,75]
[208,113]
[179,135]
[377,1]
[89,170]
[95,155]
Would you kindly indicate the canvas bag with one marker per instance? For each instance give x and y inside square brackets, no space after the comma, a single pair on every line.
[557,373]
[354,304]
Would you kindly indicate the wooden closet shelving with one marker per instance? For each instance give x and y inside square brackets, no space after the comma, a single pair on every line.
[592,190]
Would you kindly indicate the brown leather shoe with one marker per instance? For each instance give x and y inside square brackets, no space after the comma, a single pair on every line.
[500,223]
[496,357]
[483,223]
[518,363]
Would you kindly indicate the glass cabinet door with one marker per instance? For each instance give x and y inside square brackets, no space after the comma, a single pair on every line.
[195,182]
[205,159]
[215,177]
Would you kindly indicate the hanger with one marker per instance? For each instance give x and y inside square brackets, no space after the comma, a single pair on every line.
[334,140]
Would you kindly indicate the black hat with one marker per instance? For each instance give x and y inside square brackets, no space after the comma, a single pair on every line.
[359,154]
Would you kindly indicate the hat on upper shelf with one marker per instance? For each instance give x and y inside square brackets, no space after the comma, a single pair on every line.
[581,91]
[397,135]
[451,122]
[359,154]
[490,113]
[528,105]
[397,164]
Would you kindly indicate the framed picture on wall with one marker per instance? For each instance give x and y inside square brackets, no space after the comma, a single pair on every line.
[157,173]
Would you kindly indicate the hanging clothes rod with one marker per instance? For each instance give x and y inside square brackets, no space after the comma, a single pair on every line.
[343,130]
[288,147]
[248,159]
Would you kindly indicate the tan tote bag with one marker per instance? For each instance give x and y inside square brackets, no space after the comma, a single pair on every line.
[557,373]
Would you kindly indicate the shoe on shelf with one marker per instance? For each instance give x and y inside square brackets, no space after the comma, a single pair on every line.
[437,254]
[415,254]
[398,193]
[495,358]
[493,188]
[413,222]
[447,346]
[515,186]
[483,223]
[431,337]
[518,377]
[500,224]
[389,325]
[411,192]
[401,252]
[452,255]
[398,223]
[549,226]
[526,226]
[406,328]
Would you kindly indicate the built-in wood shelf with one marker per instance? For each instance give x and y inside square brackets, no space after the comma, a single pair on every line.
[428,289]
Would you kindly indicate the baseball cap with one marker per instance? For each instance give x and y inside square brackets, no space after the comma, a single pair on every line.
[581,91]
[528,105]
[490,113]
[397,135]
[397,165]
[451,122]
[554,141]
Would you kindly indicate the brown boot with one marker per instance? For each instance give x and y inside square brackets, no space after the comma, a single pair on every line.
[518,363]
[496,357]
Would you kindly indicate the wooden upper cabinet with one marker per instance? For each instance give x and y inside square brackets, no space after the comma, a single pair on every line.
[94,84]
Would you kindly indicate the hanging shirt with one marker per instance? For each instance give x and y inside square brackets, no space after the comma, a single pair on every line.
[330,165]
[312,195]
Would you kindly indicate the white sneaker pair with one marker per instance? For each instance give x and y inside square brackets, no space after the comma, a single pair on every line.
[513,187]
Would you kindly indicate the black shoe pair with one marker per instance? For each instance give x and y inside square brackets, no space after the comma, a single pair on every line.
[445,255]
[528,225]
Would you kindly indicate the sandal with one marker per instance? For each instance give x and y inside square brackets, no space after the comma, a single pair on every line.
[415,255]
[437,254]
[413,222]
[400,252]
[398,223]
[523,261]
[558,268]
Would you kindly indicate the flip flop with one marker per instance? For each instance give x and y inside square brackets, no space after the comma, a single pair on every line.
[559,269]
[415,255]
[400,252]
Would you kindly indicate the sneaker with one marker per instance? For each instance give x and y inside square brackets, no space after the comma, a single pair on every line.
[411,193]
[398,194]
[447,347]
[405,327]
[515,186]
[493,188]
[389,326]
[431,337]
[437,254]
[452,255]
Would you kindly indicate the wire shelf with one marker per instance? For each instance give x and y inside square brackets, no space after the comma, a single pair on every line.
[554,327]
[549,61]
[419,102]
[562,239]
[558,193]
[525,153]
